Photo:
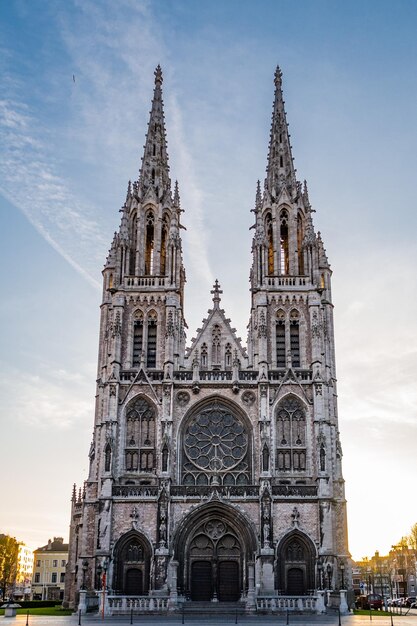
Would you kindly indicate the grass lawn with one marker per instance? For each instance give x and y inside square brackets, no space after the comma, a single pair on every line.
[374,613]
[49,610]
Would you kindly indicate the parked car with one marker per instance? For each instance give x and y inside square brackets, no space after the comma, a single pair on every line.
[409,601]
[372,601]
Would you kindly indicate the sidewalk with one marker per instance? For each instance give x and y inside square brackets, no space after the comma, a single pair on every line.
[220,619]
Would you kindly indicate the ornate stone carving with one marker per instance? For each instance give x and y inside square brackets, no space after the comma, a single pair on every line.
[248,398]
[183,398]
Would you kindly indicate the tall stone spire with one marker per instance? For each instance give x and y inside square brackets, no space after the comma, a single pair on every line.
[154,172]
[280,170]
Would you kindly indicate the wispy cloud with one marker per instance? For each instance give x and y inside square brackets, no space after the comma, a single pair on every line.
[53,399]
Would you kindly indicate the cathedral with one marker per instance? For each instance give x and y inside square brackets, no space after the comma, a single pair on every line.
[215,469]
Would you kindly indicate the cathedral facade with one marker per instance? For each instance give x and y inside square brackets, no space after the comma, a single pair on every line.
[215,469]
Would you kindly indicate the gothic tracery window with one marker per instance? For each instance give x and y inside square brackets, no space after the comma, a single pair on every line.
[134,240]
[216,448]
[151,340]
[295,338]
[291,436]
[140,436]
[137,338]
[280,339]
[270,237]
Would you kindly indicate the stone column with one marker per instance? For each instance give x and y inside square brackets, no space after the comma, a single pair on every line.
[343,606]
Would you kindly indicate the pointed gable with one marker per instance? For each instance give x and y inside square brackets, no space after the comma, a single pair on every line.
[216,345]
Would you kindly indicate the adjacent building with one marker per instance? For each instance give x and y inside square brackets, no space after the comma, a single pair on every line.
[22,590]
[49,566]
[215,467]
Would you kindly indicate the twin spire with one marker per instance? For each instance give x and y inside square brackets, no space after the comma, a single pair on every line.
[154,172]
[280,171]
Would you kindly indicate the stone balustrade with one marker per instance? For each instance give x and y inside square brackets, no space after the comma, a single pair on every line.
[142,282]
[272,604]
[119,605]
[294,282]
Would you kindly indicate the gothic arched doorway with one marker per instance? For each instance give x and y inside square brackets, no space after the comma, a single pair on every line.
[132,565]
[214,546]
[296,555]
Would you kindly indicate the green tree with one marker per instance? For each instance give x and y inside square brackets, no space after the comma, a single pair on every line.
[9,554]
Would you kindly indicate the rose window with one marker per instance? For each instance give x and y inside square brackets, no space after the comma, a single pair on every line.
[216,448]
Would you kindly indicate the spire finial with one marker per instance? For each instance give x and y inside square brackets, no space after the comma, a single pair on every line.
[158,76]
[216,291]
[278,77]
[258,200]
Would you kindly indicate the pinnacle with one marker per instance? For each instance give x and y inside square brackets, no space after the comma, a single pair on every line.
[278,76]
[158,75]
[216,291]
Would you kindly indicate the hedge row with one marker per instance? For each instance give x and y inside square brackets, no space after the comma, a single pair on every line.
[38,604]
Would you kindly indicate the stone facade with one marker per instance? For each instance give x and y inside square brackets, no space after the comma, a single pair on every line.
[215,470]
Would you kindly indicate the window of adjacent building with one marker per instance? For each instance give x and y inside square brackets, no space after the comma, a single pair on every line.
[55,563]
[291,436]
[38,563]
[140,436]
[37,577]
[62,577]
[53,577]
[63,563]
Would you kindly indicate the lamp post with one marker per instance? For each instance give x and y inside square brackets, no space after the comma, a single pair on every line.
[329,574]
[320,574]
[342,571]
[84,568]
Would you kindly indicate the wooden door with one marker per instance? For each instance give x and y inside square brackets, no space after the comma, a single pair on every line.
[201,581]
[228,581]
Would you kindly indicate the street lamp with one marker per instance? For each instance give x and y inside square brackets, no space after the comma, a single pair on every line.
[342,570]
[320,573]
[84,567]
[329,574]
[98,581]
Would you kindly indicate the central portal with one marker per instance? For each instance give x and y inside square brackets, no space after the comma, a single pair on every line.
[215,563]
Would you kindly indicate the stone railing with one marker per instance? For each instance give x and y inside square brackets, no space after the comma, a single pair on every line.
[270,604]
[118,605]
[301,375]
[205,491]
[134,282]
[128,376]
[303,491]
[286,281]
[135,491]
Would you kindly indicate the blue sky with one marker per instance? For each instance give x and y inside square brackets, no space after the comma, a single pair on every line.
[69,147]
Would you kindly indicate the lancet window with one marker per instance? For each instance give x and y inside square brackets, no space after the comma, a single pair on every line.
[164,237]
[152,340]
[300,238]
[204,356]
[291,436]
[134,244]
[216,448]
[228,356]
[280,339]
[137,339]
[215,346]
[287,339]
[284,251]
[140,436]
[107,458]
[295,338]
[270,237]
[149,242]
